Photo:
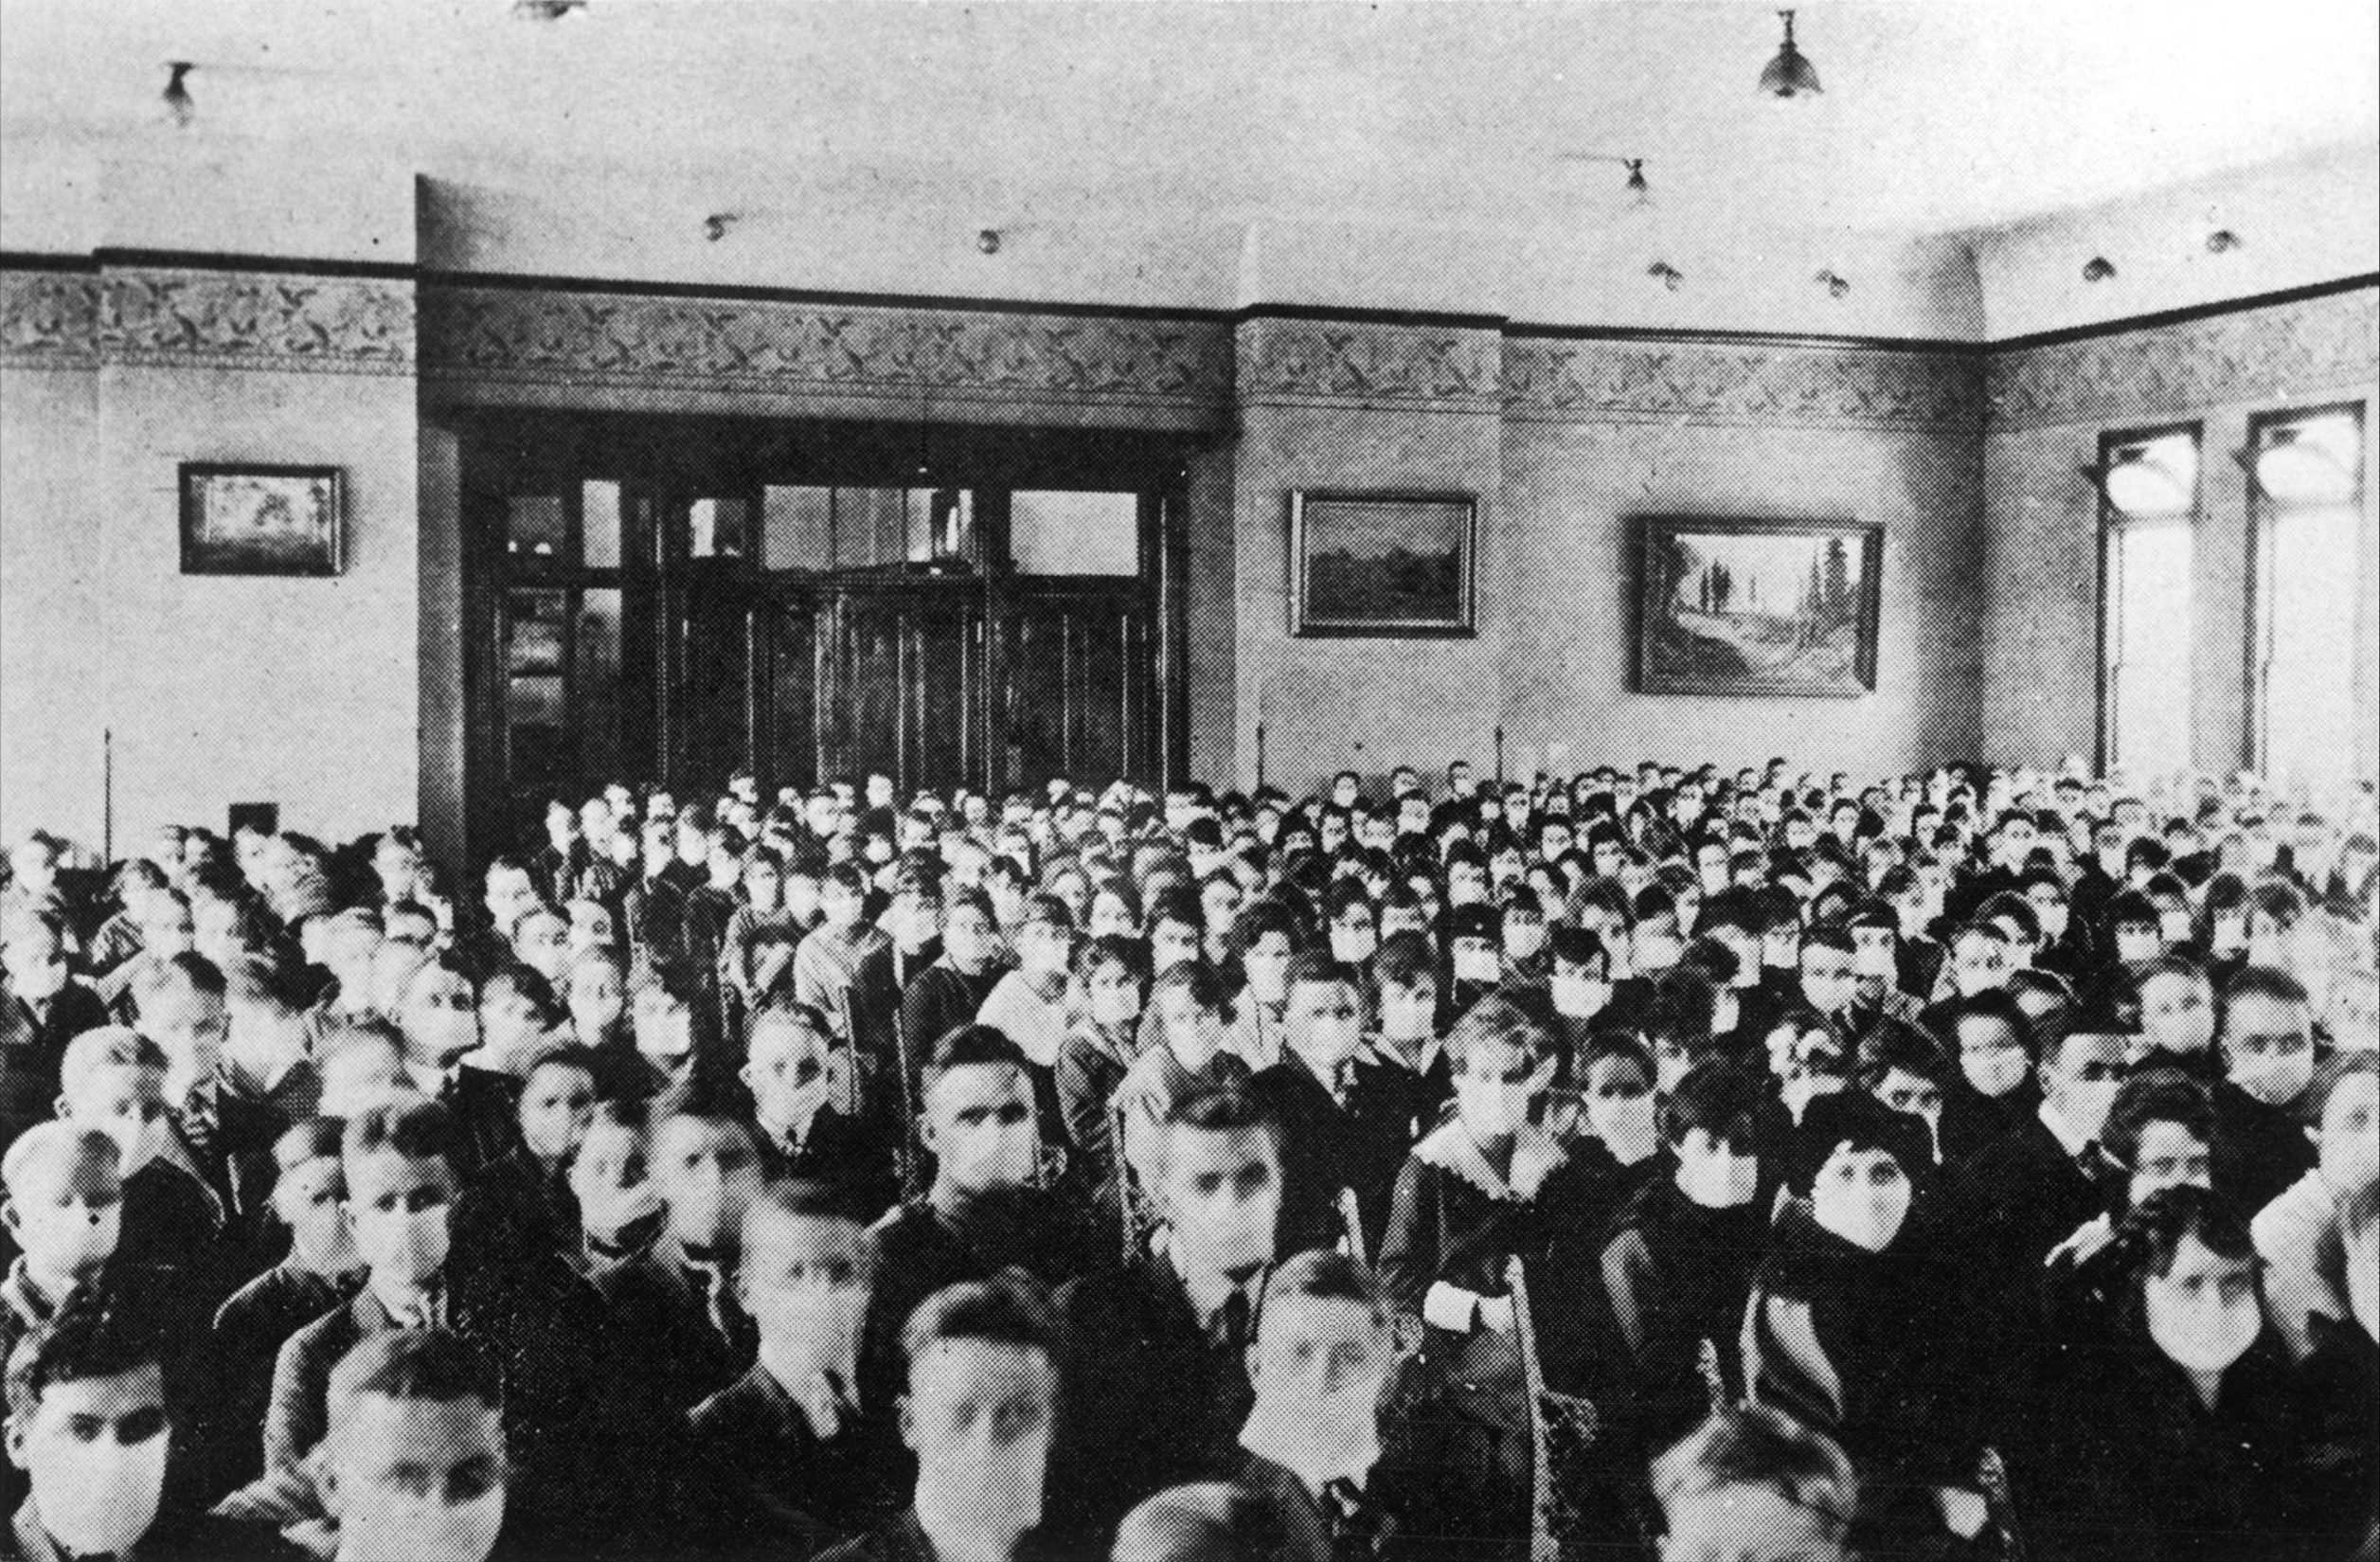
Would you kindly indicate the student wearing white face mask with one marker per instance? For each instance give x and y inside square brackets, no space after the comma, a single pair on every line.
[2179,1439]
[1678,1266]
[1111,981]
[1482,1188]
[2295,1232]
[2265,1033]
[1844,1328]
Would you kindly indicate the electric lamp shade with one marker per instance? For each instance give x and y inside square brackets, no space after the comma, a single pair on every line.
[2305,464]
[1790,74]
[2145,486]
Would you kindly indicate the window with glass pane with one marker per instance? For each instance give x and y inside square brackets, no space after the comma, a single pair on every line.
[2148,506]
[599,525]
[1075,533]
[2308,508]
[719,529]
[536,527]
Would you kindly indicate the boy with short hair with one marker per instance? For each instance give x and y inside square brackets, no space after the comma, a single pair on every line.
[1752,1484]
[788,1067]
[44,1007]
[113,1079]
[803,1458]
[64,1214]
[1192,1009]
[678,1298]
[1347,1124]
[1324,1354]
[89,1426]
[414,1469]
[989,1207]
[1182,1317]
[982,1400]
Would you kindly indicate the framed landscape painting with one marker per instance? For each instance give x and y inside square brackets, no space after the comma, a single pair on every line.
[1757,607]
[260,520]
[1382,564]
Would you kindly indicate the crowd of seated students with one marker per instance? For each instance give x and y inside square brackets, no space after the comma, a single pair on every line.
[1675,1163]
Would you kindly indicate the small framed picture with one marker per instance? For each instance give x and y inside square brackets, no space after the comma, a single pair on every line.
[1382,564]
[261,520]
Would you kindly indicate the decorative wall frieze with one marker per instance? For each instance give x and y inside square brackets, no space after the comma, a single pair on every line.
[2303,347]
[1557,379]
[205,318]
[1291,361]
[627,341]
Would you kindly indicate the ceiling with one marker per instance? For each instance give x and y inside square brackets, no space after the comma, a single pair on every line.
[1937,117]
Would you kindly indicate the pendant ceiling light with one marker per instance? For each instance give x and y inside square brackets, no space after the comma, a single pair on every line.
[1789,75]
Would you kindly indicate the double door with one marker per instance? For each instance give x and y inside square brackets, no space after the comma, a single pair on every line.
[936,682]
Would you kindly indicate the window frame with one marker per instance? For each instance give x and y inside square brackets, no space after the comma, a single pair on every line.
[2113,522]
[2264,510]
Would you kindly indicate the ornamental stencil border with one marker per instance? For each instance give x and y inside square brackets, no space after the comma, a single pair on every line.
[2312,345]
[209,319]
[1557,380]
[623,340]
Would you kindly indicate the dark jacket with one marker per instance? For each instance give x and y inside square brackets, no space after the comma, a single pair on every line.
[32,1044]
[769,1486]
[660,1301]
[1360,1147]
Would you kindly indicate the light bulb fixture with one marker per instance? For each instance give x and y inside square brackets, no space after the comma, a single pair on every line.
[989,241]
[2138,483]
[1837,286]
[1667,274]
[1790,74]
[2222,242]
[177,93]
[2309,462]
[2098,269]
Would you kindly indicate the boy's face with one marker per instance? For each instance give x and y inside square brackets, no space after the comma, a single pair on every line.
[416,1479]
[2177,1010]
[123,1101]
[398,1206]
[2268,1048]
[840,904]
[979,1124]
[543,943]
[95,1450]
[1323,1354]
[1978,964]
[805,1281]
[556,1103]
[441,1018]
[1221,1196]
[1827,979]
[1324,1024]
[1174,943]
[967,937]
[979,1416]
[707,1174]
[1192,1030]
[189,1027]
[785,1068]
[663,1026]
[64,1213]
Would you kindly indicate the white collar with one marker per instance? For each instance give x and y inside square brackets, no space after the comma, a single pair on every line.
[1451,1148]
[2058,1130]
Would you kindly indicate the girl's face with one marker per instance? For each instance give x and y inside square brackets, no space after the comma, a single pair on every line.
[557,1105]
[763,887]
[1862,1196]
[1195,1033]
[1267,965]
[1110,917]
[2169,1155]
[1113,994]
[598,996]
[2177,1012]
[1494,1087]
[2203,1312]
[2348,1143]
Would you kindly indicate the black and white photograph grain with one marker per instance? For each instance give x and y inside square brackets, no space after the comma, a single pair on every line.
[1189,781]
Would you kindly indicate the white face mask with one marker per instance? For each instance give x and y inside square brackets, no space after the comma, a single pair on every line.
[406,1250]
[1523,939]
[1656,953]
[1862,1212]
[2054,920]
[809,1327]
[607,1211]
[2203,1332]
[1628,1125]
[1580,997]
[1405,1015]
[404,1527]
[1716,1177]
[1352,946]
[1115,1007]
[2275,1078]
[1491,1108]
[2175,926]
[1268,980]
[1476,965]
[99,1497]
[1996,1073]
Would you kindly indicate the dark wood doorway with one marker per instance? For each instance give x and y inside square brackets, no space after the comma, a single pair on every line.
[677,600]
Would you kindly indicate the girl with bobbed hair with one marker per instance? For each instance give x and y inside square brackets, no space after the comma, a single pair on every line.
[2177,1438]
